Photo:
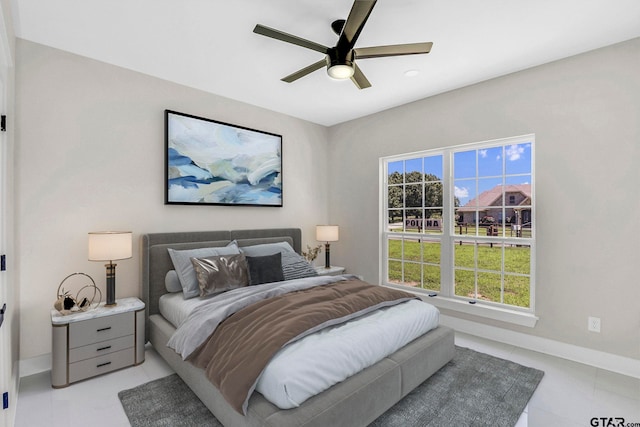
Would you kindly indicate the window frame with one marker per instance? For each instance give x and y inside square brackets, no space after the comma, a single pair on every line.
[446,296]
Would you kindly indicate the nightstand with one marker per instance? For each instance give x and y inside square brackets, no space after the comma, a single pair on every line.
[97,341]
[334,270]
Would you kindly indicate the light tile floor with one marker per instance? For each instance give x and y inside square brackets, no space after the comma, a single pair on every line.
[570,394]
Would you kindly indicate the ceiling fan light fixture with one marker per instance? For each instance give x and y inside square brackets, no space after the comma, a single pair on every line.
[340,59]
[340,71]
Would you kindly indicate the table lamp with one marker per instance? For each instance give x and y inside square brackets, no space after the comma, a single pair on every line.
[110,246]
[327,233]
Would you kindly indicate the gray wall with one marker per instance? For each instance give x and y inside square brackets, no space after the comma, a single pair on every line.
[90,155]
[585,113]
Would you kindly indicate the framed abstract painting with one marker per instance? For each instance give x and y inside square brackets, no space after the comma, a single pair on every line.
[208,162]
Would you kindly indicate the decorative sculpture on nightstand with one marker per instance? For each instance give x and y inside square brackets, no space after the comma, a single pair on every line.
[83,300]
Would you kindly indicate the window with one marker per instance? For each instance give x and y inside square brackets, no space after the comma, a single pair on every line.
[459,222]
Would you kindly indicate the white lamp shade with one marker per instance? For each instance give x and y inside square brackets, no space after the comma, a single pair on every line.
[110,245]
[327,233]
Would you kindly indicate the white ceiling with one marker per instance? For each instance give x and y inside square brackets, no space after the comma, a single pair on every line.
[209,44]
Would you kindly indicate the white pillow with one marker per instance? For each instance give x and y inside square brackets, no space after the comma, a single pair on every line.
[172,282]
[187,275]
[266,249]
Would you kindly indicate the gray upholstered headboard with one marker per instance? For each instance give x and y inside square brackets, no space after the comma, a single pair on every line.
[156,261]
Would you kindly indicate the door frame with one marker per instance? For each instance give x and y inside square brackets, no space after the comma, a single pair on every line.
[9,372]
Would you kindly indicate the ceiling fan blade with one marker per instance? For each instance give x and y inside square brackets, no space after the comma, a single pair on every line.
[359,79]
[392,50]
[289,38]
[306,70]
[358,16]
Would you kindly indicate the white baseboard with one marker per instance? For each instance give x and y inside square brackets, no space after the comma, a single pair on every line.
[35,365]
[599,359]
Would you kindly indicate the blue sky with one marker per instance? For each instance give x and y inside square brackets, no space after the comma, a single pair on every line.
[515,159]
[432,165]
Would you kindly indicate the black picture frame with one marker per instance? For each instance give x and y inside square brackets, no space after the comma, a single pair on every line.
[208,162]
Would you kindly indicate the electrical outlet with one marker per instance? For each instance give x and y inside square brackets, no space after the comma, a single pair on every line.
[594,324]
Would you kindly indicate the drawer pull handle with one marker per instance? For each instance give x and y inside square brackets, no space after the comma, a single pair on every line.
[103,364]
[104,329]
[104,348]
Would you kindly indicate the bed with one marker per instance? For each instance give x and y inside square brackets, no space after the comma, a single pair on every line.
[356,401]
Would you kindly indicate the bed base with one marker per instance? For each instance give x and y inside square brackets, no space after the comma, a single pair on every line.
[356,401]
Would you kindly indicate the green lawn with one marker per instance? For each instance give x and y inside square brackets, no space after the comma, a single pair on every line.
[426,256]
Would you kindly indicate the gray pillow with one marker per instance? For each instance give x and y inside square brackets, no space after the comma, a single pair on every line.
[265,269]
[266,249]
[294,266]
[183,266]
[172,282]
[221,273]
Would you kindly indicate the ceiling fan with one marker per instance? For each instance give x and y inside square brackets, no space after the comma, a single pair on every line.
[340,59]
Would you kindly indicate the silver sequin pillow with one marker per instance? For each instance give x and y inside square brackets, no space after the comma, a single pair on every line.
[220,273]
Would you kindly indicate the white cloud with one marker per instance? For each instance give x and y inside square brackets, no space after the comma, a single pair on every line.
[514,151]
[483,153]
[461,193]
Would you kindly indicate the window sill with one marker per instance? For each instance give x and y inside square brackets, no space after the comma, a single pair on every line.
[487,311]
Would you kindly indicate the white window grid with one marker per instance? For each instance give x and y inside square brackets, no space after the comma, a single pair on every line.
[449,237]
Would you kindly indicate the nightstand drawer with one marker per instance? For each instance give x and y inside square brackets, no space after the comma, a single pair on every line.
[101,329]
[101,365]
[101,348]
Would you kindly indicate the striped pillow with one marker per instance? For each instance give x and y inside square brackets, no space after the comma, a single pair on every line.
[294,266]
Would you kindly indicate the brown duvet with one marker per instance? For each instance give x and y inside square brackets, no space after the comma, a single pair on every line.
[236,353]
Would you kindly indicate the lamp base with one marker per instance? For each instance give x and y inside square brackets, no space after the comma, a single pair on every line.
[111,285]
[327,263]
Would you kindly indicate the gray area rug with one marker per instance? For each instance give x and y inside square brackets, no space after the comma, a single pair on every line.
[474,389]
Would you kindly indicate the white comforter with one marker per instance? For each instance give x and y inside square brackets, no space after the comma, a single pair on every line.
[314,363]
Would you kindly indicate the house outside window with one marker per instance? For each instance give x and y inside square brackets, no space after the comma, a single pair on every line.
[459,222]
